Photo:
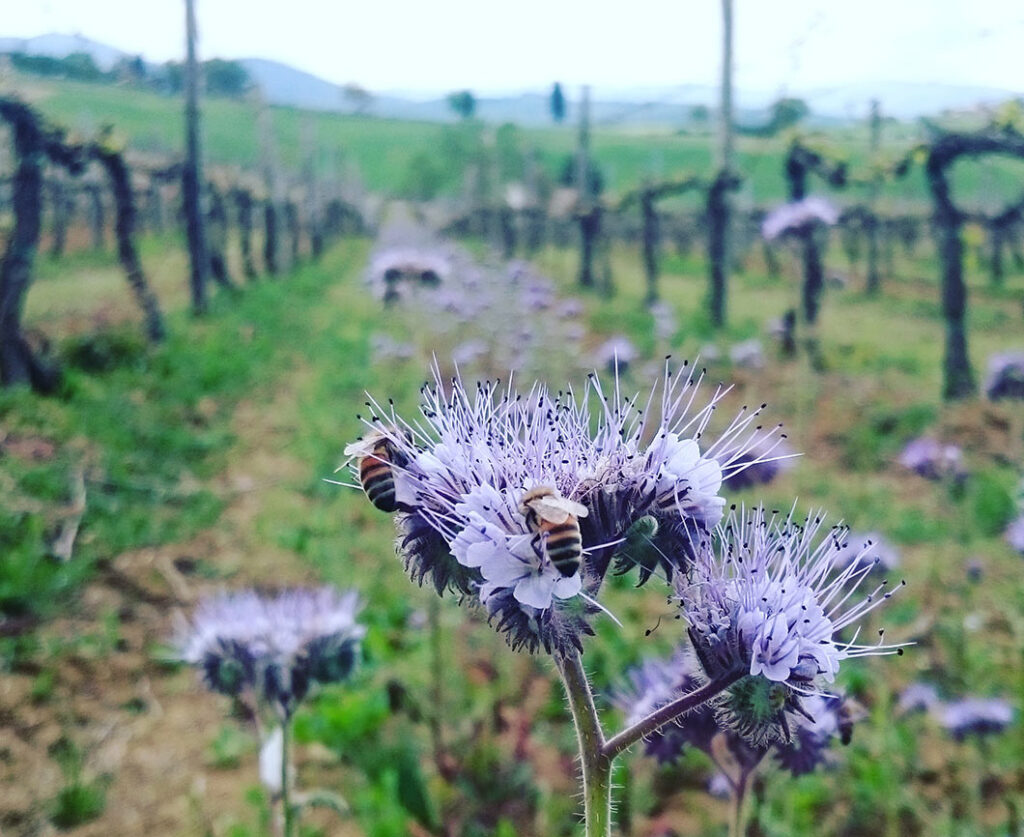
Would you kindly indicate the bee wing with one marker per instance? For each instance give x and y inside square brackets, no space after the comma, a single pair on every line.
[360,447]
[557,509]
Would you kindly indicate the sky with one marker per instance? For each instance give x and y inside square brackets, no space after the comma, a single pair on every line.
[781,46]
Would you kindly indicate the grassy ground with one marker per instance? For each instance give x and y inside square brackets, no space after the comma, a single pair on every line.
[204,463]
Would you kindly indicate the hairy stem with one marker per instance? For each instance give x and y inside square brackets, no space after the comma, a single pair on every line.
[669,712]
[596,765]
[286,796]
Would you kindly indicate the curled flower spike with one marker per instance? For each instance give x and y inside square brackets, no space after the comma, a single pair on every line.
[464,469]
[812,722]
[769,606]
[275,648]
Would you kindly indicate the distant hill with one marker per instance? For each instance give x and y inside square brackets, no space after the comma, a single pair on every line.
[286,85]
[60,46]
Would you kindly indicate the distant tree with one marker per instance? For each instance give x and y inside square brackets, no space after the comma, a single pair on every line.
[130,69]
[80,65]
[570,175]
[463,103]
[557,103]
[787,112]
[170,78]
[358,98]
[700,114]
[225,78]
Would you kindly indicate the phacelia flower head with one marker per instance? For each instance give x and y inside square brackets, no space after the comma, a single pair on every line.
[810,722]
[791,217]
[975,716]
[933,460]
[273,647]
[866,549]
[1015,534]
[1005,378]
[768,607]
[467,467]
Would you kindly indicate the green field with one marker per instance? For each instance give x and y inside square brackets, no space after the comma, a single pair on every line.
[204,463]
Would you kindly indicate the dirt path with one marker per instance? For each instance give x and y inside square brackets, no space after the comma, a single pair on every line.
[144,729]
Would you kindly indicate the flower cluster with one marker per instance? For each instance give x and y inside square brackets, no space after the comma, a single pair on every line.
[933,460]
[791,217]
[767,604]
[812,722]
[488,316]
[274,648]
[1005,378]
[962,717]
[606,466]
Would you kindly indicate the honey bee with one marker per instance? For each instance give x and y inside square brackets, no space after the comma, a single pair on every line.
[377,453]
[555,522]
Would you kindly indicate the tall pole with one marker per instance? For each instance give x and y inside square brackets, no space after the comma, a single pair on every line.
[875,141]
[588,213]
[718,205]
[191,176]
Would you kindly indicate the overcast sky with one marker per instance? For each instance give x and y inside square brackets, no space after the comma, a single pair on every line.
[781,45]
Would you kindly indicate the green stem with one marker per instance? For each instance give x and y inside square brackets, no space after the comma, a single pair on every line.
[669,712]
[286,796]
[597,766]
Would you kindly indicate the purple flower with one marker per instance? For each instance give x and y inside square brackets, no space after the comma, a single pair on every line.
[865,549]
[975,716]
[761,468]
[274,647]
[931,459]
[769,604]
[795,216]
[1005,377]
[617,352]
[463,471]
[809,722]
[748,355]
[918,697]
[1015,534]
[655,683]
[819,720]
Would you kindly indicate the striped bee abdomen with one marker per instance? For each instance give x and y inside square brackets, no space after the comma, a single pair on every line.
[564,546]
[378,480]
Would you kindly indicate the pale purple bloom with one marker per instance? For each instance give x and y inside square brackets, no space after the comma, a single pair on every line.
[762,468]
[720,786]
[276,647]
[918,697]
[975,716]
[1005,377]
[808,723]
[748,355]
[665,323]
[866,549]
[797,215]
[618,352]
[1015,534]
[931,459]
[468,462]
[395,272]
[770,601]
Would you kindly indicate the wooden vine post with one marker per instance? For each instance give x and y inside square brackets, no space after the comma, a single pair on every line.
[874,280]
[946,149]
[718,208]
[589,210]
[108,154]
[647,196]
[191,178]
[801,161]
[34,144]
